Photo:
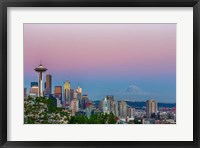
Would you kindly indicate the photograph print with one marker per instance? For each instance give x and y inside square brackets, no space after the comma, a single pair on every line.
[99,73]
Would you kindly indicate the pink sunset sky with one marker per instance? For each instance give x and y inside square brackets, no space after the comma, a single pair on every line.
[84,53]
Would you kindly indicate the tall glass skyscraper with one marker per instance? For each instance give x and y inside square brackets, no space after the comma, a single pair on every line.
[66,92]
[48,84]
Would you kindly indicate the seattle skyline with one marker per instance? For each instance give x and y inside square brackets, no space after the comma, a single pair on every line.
[104,58]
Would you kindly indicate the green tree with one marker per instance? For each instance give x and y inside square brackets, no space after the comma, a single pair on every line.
[42,110]
[94,119]
[111,118]
[137,121]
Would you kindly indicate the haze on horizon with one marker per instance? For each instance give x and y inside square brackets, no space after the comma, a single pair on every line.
[105,59]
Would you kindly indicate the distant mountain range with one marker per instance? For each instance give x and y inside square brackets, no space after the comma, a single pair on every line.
[143,103]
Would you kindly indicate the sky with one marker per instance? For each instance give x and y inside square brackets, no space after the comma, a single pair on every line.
[105,59]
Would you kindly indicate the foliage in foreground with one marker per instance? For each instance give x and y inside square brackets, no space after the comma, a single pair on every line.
[42,110]
[93,119]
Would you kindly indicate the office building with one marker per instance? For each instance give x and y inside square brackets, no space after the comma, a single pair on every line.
[151,107]
[101,105]
[106,106]
[74,106]
[123,109]
[58,93]
[48,84]
[110,98]
[66,92]
[84,100]
[75,95]
[130,112]
[79,90]
[58,90]
[89,107]
[71,94]
[34,84]
[79,95]
[115,107]
[34,90]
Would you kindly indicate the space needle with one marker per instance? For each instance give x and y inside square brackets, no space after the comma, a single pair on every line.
[40,69]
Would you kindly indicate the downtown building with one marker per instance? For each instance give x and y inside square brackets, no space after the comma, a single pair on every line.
[71,94]
[58,95]
[34,90]
[123,109]
[131,112]
[151,107]
[101,105]
[74,105]
[114,107]
[79,95]
[106,106]
[34,84]
[66,92]
[84,100]
[110,98]
[88,108]
[48,85]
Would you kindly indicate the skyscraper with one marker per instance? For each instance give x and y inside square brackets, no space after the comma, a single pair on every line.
[84,99]
[123,109]
[79,95]
[79,90]
[130,112]
[58,93]
[74,106]
[48,84]
[89,107]
[106,106]
[75,94]
[114,108]
[40,69]
[101,105]
[151,107]
[71,94]
[110,98]
[66,92]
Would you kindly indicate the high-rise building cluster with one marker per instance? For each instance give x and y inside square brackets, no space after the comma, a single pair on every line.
[75,102]
[119,108]
[65,96]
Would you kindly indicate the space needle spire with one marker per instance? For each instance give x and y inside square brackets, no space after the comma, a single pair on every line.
[40,69]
